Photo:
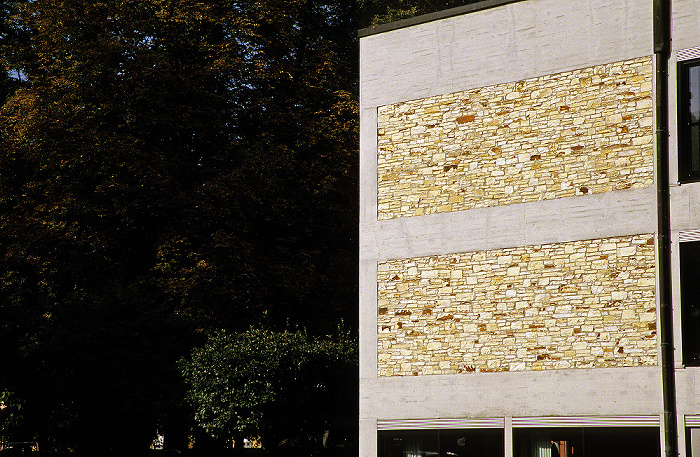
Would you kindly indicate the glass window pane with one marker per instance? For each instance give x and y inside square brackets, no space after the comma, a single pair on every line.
[441,443]
[690,302]
[692,442]
[694,106]
[408,443]
[587,442]
[471,443]
[694,89]
[695,148]
[689,120]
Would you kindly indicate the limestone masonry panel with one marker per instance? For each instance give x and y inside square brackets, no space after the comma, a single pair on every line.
[582,304]
[573,133]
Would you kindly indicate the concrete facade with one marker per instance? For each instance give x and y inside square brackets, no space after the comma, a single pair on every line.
[456,320]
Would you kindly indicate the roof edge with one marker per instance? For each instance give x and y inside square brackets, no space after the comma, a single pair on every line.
[444,14]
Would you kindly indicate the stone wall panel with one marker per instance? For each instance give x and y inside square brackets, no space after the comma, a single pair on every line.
[582,304]
[573,133]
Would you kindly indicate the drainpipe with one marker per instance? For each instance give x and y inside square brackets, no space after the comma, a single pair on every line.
[662,50]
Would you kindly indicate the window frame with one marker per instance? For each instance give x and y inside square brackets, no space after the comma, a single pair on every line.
[685,151]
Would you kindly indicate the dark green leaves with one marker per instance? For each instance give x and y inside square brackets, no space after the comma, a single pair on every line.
[277,385]
[172,165]
[376,12]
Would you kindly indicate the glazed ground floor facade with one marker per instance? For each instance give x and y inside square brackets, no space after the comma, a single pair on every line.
[551,413]
[526,437]
[531,437]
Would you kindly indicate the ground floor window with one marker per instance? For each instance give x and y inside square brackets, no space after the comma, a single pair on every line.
[441,443]
[587,442]
[690,302]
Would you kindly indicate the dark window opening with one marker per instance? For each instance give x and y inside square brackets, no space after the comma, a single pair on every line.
[689,121]
[587,442]
[441,443]
[690,302]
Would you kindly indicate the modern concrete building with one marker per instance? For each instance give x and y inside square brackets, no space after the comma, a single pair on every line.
[510,269]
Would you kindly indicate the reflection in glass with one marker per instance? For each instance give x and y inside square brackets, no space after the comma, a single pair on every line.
[690,302]
[694,107]
[441,443]
[689,120]
[586,442]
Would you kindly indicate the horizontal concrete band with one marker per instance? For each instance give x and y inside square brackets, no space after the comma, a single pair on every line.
[526,422]
[600,392]
[553,221]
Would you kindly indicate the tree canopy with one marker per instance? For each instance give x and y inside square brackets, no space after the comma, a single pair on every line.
[167,168]
[377,12]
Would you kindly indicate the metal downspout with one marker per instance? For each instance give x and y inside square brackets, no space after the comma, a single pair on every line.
[662,50]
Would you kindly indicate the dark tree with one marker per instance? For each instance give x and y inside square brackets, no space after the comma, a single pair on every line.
[167,167]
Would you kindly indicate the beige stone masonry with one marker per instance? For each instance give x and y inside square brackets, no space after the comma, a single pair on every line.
[574,133]
[583,304]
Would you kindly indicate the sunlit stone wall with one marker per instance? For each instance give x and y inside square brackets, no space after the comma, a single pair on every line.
[582,304]
[580,132]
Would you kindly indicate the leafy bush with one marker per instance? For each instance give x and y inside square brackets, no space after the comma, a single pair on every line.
[285,387]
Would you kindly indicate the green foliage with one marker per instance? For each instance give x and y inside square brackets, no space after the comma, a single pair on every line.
[11,413]
[9,78]
[166,167]
[377,12]
[276,385]
[205,152]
